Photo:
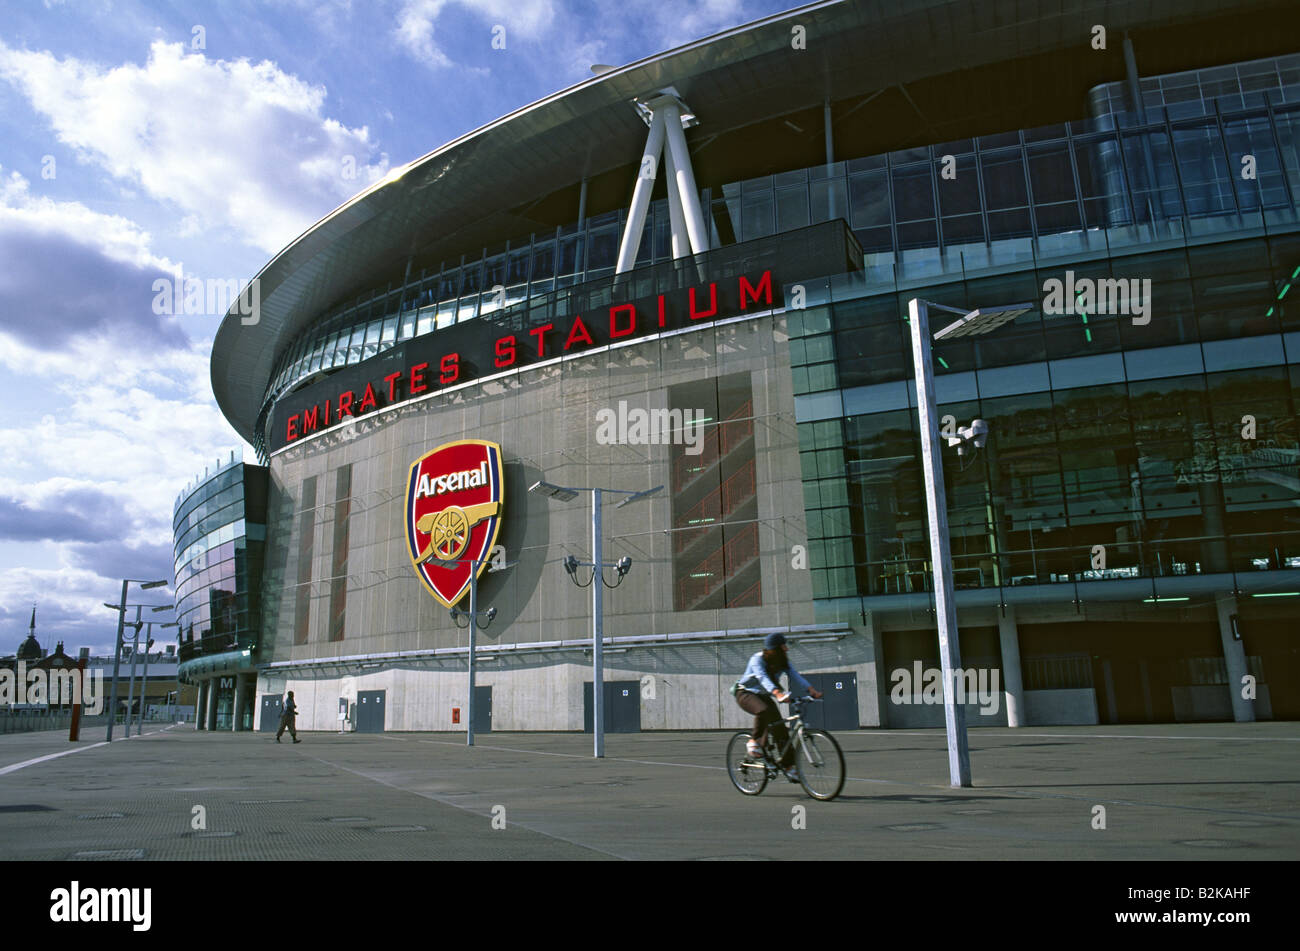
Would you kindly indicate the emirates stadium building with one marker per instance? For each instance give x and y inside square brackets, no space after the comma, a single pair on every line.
[693,274]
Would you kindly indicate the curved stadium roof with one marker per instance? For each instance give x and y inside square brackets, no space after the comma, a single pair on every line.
[898,74]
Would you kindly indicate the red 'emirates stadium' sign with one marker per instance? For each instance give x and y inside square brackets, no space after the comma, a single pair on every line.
[477,348]
[453,514]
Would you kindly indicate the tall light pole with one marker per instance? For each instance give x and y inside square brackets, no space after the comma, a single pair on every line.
[120,608]
[597,566]
[972,323]
[144,681]
[135,649]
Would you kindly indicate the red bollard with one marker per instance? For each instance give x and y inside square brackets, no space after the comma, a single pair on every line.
[75,730]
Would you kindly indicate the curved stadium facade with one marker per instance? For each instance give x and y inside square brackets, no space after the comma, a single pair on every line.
[694,272]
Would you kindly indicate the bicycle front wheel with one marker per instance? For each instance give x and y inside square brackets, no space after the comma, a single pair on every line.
[747,775]
[820,765]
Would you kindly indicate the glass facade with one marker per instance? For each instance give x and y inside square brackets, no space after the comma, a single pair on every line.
[219,532]
[1172,445]
[715,497]
[1074,189]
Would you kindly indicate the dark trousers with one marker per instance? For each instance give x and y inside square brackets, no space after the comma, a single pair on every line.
[286,722]
[766,714]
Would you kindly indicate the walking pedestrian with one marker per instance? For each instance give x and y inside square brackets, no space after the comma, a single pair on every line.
[287,719]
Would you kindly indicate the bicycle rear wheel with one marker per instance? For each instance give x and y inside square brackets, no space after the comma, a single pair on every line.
[747,775]
[820,765]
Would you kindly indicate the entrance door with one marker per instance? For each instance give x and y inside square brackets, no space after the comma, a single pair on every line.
[224,711]
[370,711]
[839,707]
[272,707]
[482,709]
[622,707]
[248,694]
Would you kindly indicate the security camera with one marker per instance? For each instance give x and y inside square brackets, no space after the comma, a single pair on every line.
[974,435]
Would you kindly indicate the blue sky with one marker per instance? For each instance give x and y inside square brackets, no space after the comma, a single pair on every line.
[137,138]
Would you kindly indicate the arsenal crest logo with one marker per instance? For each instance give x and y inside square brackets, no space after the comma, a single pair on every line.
[453,514]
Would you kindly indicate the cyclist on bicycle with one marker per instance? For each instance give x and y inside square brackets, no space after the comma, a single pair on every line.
[758,685]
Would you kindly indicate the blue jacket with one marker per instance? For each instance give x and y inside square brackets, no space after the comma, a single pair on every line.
[756,680]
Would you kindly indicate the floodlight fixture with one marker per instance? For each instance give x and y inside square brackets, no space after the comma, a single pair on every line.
[153,584]
[638,496]
[982,320]
[557,492]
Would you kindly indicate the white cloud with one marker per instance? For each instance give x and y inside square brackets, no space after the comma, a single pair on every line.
[417,24]
[139,442]
[228,142]
[561,40]
[116,415]
[679,23]
[118,238]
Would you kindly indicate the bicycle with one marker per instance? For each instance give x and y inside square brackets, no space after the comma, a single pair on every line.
[819,764]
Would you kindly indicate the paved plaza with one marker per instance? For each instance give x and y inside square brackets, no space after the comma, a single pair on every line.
[1174,792]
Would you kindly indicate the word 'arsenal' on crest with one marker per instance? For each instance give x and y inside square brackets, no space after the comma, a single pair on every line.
[452,482]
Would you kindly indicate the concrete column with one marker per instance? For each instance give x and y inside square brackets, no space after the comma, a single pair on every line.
[1112,703]
[880,689]
[685,178]
[830,157]
[1234,653]
[237,719]
[212,704]
[645,183]
[201,707]
[1013,690]
[1133,80]
[681,242]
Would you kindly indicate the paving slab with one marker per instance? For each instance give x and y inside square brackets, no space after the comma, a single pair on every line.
[1184,792]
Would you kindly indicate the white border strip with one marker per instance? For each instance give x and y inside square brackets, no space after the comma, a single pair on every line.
[389,658]
[41,759]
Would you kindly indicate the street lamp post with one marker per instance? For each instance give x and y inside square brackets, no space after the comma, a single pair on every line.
[144,681]
[597,566]
[972,322]
[473,622]
[120,608]
[135,649]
